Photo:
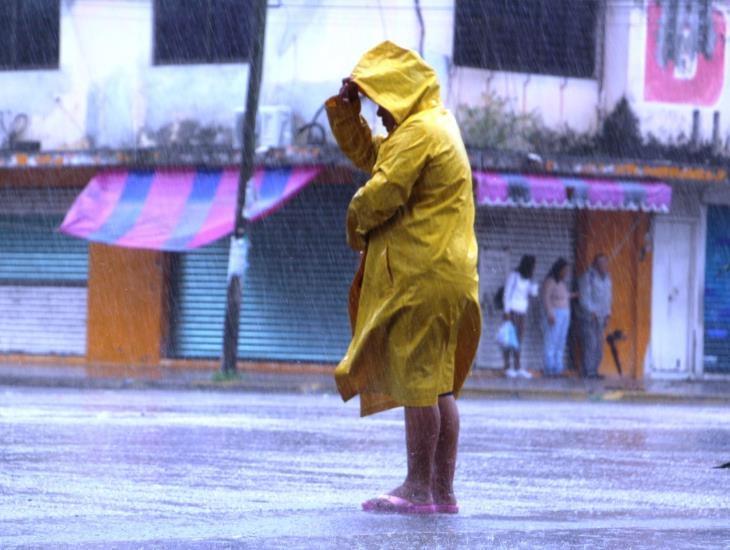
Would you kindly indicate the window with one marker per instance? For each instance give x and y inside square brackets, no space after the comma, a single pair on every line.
[555,37]
[202,31]
[29,34]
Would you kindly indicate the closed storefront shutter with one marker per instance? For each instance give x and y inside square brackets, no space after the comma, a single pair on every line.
[717,291]
[504,235]
[295,287]
[43,280]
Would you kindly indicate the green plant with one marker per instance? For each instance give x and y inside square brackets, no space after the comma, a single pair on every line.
[495,125]
[620,135]
[223,377]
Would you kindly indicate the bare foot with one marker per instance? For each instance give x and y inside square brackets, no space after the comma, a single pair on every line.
[444,498]
[391,504]
[414,493]
[405,499]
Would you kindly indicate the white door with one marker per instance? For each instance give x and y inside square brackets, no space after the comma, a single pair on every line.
[493,269]
[671,302]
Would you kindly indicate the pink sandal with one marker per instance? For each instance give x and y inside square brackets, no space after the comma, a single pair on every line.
[391,504]
[446,508]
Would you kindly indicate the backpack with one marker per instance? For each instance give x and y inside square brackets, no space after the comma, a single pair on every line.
[499,299]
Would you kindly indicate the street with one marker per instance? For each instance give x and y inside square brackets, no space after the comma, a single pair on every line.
[129,468]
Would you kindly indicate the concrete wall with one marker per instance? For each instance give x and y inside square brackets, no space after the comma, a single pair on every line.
[108,93]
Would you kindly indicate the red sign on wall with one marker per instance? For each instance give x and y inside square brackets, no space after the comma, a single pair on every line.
[685,54]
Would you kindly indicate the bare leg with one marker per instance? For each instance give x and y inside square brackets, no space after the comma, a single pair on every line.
[519,321]
[445,463]
[422,434]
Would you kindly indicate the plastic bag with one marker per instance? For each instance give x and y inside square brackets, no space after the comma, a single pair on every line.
[507,336]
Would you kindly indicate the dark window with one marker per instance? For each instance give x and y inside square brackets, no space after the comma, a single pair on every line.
[202,31]
[556,37]
[29,34]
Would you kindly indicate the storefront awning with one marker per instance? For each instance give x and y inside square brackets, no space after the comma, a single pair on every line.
[538,191]
[175,210]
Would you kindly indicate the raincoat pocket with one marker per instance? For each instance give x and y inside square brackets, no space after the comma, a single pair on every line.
[355,290]
[388,267]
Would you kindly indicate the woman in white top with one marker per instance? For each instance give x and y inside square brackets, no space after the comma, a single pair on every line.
[517,291]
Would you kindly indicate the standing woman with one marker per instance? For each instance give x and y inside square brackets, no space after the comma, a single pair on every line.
[517,291]
[556,316]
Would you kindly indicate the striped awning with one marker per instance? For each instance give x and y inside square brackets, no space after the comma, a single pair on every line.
[175,210]
[539,191]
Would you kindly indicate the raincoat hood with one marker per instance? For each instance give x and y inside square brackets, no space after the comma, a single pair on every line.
[398,80]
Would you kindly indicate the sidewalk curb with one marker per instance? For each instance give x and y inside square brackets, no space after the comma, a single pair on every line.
[166,385]
[325,385]
[607,396]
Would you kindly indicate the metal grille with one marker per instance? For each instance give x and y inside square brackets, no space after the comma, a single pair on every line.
[43,278]
[32,251]
[504,235]
[717,291]
[295,289]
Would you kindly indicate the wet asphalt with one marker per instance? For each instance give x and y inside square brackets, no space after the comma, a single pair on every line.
[87,468]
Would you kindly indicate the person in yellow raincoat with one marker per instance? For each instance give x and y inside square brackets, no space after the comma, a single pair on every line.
[414,304]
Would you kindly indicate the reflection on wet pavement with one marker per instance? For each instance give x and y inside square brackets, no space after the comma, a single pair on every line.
[182,469]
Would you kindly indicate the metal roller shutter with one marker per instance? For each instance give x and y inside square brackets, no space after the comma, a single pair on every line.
[295,287]
[43,280]
[504,235]
[717,291]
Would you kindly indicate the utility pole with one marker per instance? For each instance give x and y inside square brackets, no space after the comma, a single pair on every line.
[237,254]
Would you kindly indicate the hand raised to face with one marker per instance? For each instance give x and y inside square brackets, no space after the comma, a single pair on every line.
[349,92]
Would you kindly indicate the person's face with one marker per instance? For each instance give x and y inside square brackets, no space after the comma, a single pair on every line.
[564,273]
[602,265]
[387,118]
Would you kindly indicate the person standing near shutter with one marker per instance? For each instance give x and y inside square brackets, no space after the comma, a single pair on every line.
[517,291]
[596,298]
[556,317]
[415,304]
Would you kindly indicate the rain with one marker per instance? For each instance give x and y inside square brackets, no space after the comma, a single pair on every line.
[204,250]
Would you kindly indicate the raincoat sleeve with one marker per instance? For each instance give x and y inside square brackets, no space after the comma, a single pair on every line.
[353,134]
[400,162]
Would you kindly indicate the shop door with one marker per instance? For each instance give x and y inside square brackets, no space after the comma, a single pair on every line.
[671,305]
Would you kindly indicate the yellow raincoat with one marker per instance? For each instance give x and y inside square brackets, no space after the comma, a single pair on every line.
[416,319]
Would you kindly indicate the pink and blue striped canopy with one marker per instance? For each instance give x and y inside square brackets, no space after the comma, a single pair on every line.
[175,210]
[541,191]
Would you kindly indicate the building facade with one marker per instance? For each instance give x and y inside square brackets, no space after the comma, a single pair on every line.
[139,84]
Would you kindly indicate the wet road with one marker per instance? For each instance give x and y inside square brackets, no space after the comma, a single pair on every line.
[101,469]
